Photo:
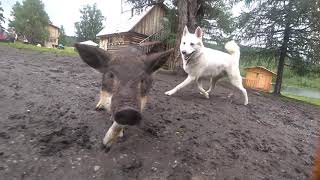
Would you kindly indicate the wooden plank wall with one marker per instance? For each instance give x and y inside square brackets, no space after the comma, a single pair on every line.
[122,40]
[152,22]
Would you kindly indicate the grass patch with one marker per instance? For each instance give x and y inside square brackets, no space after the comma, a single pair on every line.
[302,98]
[69,51]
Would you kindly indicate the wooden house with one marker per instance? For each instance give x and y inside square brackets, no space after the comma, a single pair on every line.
[259,78]
[134,27]
[53,36]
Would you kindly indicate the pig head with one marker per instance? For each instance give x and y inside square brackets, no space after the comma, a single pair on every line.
[126,82]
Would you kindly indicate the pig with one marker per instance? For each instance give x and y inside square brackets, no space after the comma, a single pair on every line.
[126,82]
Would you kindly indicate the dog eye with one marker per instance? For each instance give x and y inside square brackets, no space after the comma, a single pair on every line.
[192,44]
[111,75]
[184,43]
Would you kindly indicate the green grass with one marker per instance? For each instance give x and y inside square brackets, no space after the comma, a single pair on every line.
[302,98]
[67,51]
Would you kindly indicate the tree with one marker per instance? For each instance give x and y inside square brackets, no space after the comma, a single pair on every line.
[62,36]
[1,17]
[30,20]
[90,24]
[289,27]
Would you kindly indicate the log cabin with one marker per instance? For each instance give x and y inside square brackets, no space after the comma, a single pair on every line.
[259,78]
[138,26]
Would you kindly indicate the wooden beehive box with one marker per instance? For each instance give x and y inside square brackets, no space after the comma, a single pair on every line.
[259,78]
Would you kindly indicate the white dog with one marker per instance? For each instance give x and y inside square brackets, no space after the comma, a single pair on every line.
[201,62]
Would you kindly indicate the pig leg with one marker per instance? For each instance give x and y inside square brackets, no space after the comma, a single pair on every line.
[143,102]
[116,130]
[105,101]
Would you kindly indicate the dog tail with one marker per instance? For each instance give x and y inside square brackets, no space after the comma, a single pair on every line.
[234,50]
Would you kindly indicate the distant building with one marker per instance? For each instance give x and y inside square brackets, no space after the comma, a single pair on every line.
[53,36]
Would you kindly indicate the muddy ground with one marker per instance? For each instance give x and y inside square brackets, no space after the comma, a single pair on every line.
[50,130]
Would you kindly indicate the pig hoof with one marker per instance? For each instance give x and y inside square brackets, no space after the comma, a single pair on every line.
[120,133]
[105,148]
[100,107]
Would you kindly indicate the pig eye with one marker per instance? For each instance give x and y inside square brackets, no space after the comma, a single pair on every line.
[192,44]
[184,42]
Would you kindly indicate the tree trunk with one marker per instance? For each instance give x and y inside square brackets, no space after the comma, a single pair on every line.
[283,53]
[182,21]
[187,11]
[283,50]
[192,13]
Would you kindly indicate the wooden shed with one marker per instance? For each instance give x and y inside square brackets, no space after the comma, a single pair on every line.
[259,78]
[133,27]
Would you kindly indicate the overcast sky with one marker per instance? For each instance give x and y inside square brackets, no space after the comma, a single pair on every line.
[66,12]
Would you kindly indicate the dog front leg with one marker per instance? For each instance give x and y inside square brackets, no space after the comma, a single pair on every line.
[180,86]
[208,91]
[202,91]
[116,130]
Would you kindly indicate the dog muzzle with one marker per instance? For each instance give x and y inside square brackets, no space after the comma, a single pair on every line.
[188,57]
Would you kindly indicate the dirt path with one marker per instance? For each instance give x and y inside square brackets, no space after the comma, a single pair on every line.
[50,130]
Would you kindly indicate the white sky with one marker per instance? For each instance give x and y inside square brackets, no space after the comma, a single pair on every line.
[66,12]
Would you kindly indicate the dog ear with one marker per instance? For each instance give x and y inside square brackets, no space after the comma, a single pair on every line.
[185,31]
[95,57]
[199,32]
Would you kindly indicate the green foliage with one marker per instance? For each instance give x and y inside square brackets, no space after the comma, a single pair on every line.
[267,58]
[69,51]
[216,18]
[30,20]
[70,40]
[170,24]
[90,24]
[267,21]
[1,17]
[62,37]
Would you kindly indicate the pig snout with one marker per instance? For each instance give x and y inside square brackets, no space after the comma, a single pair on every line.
[127,116]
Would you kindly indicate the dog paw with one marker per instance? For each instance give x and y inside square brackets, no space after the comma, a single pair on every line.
[206,94]
[169,93]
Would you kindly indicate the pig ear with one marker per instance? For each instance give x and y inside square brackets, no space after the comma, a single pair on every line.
[199,32]
[93,56]
[154,61]
[185,31]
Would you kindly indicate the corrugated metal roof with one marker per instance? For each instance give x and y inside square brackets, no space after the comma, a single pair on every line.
[91,43]
[126,22]
[261,67]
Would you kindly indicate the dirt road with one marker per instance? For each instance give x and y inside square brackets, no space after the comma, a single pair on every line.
[50,130]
